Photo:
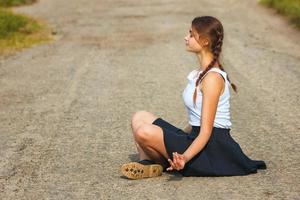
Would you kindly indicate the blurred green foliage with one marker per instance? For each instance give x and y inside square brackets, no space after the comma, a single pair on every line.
[11,23]
[289,8]
[18,31]
[6,3]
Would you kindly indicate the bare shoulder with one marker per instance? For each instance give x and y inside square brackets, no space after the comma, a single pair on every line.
[212,81]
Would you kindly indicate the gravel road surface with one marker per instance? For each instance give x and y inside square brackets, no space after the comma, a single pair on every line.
[66,106]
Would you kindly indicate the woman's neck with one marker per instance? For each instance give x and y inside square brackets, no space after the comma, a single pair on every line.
[205,58]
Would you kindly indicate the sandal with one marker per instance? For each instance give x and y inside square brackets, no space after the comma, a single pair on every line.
[141,169]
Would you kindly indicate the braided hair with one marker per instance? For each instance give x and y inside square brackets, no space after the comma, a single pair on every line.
[212,27]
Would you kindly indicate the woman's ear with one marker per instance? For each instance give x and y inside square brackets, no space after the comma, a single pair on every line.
[204,42]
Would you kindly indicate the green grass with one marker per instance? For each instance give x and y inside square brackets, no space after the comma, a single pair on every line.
[19,31]
[7,3]
[289,8]
[11,23]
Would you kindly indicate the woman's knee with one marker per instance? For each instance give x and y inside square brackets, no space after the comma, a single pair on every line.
[147,135]
[137,119]
[143,116]
[143,133]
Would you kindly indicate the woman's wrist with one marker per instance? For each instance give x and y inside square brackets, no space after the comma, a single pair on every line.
[186,158]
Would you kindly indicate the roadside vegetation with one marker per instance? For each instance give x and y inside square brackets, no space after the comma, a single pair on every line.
[289,8]
[7,3]
[18,31]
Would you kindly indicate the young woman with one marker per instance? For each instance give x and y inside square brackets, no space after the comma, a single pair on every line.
[205,147]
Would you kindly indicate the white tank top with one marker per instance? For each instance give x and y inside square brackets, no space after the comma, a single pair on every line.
[222,118]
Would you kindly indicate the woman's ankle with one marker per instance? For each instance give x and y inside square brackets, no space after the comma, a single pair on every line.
[147,162]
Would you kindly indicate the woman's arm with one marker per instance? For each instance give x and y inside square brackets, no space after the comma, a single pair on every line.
[212,86]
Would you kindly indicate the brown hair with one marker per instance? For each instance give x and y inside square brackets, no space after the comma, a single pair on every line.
[211,27]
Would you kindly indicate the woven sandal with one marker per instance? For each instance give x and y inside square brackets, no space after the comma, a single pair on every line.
[141,169]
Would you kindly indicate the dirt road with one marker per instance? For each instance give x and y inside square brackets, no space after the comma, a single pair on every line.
[66,106]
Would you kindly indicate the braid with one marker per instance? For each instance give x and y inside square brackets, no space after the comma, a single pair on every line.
[232,84]
[211,27]
[216,53]
[221,67]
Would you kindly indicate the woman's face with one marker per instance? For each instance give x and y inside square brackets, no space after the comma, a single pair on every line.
[191,42]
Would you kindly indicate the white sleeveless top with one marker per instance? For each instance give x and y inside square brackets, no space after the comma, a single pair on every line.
[222,118]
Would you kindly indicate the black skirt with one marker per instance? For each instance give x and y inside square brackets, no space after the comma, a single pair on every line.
[221,156]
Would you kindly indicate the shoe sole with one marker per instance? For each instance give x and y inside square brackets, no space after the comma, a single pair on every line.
[135,170]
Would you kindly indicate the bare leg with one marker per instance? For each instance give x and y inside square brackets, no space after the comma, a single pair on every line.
[155,155]
[139,119]
[150,154]
[142,154]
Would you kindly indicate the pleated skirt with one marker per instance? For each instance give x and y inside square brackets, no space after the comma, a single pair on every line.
[221,156]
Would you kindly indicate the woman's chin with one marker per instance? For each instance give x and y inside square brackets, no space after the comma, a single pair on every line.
[189,50]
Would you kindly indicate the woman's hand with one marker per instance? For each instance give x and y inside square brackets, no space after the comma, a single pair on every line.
[178,162]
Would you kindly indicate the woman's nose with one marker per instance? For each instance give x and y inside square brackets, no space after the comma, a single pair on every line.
[185,38]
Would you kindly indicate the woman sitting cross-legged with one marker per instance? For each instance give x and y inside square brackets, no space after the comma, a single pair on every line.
[205,147]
